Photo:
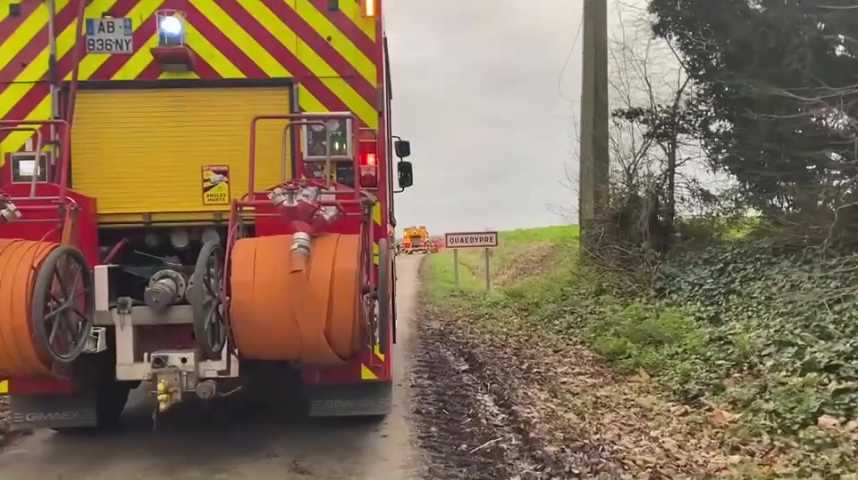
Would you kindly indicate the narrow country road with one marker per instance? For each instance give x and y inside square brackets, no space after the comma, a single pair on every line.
[242,443]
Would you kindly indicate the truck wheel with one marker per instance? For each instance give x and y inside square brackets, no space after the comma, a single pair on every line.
[110,403]
[110,400]
[96,374]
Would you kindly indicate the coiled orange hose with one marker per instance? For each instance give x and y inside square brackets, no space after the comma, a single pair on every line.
[20,261]
[281,313]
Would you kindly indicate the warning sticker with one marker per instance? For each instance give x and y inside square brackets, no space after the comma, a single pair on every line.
[216,185]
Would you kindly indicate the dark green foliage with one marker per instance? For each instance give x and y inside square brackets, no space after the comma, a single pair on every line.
[788,323]
[774,91]
[645,337]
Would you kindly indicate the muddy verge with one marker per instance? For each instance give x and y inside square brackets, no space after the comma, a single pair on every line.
[501,404]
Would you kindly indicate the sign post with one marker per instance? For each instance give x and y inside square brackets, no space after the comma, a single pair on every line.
[484,240]
[456,266]
[488,271]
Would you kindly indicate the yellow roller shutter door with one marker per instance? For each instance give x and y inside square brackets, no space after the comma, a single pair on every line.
[142,151]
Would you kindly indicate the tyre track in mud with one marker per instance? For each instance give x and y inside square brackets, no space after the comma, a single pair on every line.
[463,426]
[474,422]
[498,403]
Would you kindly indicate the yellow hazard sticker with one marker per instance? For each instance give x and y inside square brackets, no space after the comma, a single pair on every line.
[367,374]
[216,185]
[4,387]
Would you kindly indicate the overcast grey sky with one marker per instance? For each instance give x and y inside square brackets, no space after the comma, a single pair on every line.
[479,92]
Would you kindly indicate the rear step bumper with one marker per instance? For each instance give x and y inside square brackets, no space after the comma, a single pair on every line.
[368,399]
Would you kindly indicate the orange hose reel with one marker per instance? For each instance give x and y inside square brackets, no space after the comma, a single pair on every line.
[20,261]
[282,310]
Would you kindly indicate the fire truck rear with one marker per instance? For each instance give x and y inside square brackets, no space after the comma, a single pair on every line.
[189,190]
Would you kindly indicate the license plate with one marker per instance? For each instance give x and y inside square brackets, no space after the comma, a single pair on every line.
[109,35]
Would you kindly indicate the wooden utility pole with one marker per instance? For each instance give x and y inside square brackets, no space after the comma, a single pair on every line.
[594,157]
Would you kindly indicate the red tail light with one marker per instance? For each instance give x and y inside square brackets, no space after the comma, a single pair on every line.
[368,166]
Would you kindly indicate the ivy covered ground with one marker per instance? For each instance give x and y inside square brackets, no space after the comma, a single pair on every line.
[736,360]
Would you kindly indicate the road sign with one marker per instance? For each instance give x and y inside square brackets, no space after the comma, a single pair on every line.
[486,240]
[471,240]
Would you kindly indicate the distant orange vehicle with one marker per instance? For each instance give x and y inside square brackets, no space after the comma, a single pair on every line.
[416,240]
[436,244]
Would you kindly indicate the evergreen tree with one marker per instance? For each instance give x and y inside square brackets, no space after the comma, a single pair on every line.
[776,87]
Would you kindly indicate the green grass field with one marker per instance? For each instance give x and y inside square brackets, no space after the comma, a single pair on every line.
[514,246]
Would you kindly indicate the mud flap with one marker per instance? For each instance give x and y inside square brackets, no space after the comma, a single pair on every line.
[369,399]
[61,411]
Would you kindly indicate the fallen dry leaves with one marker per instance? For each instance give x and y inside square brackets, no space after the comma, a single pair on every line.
[722,418]
[510,404]
[827,422]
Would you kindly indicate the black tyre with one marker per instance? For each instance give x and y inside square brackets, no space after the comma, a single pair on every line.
[110,402]
[96,374]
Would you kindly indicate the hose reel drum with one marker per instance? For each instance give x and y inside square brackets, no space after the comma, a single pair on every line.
[46,307]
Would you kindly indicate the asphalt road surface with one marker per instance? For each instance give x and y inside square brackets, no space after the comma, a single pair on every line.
[236,441]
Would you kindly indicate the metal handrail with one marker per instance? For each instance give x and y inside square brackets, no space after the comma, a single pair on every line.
[298,120]
[37,156]
[72,100]
[65,127]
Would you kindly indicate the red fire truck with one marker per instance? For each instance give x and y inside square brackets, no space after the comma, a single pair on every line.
[190,189]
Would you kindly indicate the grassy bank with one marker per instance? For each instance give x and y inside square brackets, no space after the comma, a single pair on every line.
[759,342]
[522,255]
[539,284]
